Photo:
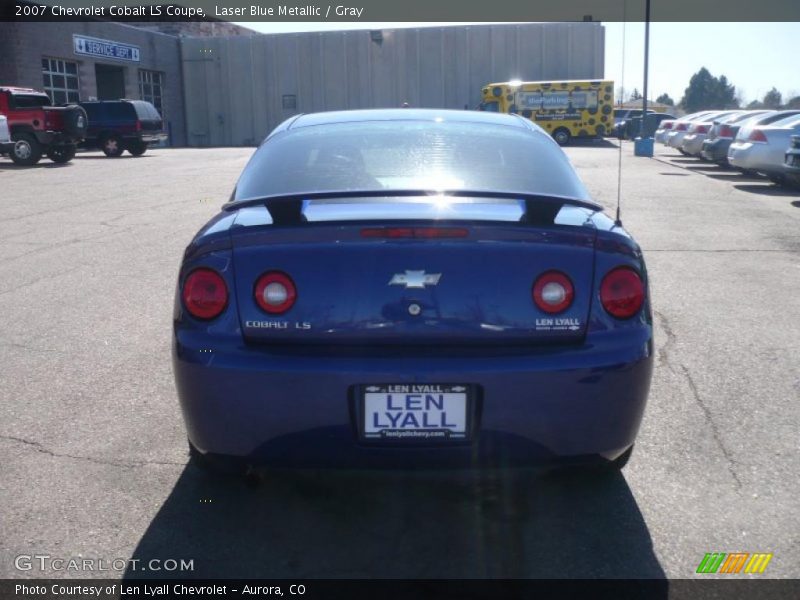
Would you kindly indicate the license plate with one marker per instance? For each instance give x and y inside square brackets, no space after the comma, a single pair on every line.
[415,412]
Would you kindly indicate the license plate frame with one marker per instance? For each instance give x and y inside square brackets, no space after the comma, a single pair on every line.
[410,435]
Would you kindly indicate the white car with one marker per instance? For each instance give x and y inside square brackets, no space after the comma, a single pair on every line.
[6,145]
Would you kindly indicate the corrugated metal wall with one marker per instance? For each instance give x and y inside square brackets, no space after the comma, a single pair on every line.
[235,87]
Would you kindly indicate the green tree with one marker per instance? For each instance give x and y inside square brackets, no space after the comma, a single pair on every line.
[773,99]
[635,94]
[754,105]
[707,91]
[665,99]
[794,103]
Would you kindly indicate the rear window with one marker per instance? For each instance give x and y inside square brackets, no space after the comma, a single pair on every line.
[408,155]
[120,111]
[22,101]
[146,111]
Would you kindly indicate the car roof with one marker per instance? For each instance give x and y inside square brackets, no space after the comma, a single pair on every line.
[408,114]
[20,90]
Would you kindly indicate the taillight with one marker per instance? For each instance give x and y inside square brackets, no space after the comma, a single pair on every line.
[681,127]
[667,124]
[701,129]
[726,131]
[622,292]
[138,125]
[553,292]
[275,292]
[757,136]
[413,232]
[205,294]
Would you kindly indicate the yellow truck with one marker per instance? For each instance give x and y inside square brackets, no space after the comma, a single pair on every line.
[565,109]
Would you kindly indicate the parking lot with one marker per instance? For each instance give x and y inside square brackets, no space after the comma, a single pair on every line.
[93,444]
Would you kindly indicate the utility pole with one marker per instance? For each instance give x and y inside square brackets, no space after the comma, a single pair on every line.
[643,146]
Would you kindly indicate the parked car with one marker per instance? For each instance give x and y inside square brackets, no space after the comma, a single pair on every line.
[6,145]
[762,148]
[723,132]
[623,116]
[663,129]
[357,315]
[681,126]
[792,162]
[632,128]
[119,125]
[38,128]
[692,142]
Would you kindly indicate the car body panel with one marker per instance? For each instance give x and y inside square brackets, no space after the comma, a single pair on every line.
[765,157]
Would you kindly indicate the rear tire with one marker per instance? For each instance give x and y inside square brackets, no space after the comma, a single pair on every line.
[112,146]
[216,464]
[27,150]
[61,154]
[137,148]
[562,136]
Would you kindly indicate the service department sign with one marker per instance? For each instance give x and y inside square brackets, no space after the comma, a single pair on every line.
[89,46]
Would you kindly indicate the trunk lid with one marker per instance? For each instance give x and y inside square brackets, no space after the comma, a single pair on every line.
[353,289]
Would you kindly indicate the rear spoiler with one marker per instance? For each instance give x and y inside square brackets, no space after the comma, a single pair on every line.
[287,209]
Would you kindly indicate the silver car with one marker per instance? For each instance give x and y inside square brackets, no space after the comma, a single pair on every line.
[663,129]
[681,126]
[692,142]
[762,148]
[791,163]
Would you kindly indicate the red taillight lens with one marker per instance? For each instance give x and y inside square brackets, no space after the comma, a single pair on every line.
[701,129]
[757,136]
[275,292]
[553,292]
[681,127]
[138,125]
[205,294]
[413,232]
[667,124]
[726,131]
[622,292]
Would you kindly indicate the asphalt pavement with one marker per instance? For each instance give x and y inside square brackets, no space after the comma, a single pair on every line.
[94,459]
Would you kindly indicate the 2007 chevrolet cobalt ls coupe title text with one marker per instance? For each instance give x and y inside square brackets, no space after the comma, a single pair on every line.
[411,288]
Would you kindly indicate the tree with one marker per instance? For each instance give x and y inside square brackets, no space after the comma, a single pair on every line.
[635,94]
[754,105]
[773,99]
[794,103]
[707,91]
[665,99]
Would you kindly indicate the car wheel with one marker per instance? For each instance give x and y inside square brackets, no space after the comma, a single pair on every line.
[61,154]
[777,179]
[137,148]
[27,150]
[112,146]
[561,136]
[682,151]
[217,464]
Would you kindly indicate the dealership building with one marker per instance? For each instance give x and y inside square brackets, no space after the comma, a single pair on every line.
[217,84]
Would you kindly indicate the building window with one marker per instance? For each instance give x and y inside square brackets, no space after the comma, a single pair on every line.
[60,80]
[151,85]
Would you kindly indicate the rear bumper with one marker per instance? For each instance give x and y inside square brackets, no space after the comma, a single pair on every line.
[153,138]
[692,143]
[716,150]
[300,410]
[6,147]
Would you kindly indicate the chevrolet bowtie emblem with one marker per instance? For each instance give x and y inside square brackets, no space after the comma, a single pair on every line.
[415,279]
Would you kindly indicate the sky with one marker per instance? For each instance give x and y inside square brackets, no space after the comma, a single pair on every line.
[753,56]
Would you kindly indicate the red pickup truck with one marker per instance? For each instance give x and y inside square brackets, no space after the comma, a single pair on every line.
[38,128]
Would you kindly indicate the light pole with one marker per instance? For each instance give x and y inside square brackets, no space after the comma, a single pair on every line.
[643,146]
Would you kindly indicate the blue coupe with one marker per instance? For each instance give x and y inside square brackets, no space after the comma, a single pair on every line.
[424,288]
